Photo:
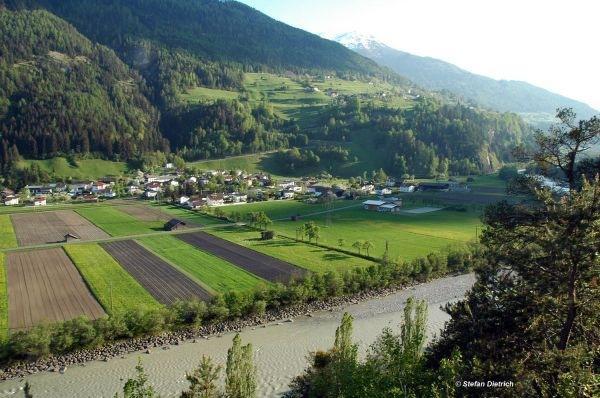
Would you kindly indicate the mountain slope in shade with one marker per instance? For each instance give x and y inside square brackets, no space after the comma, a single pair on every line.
[221,31]
[502,95]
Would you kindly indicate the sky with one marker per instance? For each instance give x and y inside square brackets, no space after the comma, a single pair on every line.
[552,44]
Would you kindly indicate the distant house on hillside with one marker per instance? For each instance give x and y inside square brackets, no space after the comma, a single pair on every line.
[174,224]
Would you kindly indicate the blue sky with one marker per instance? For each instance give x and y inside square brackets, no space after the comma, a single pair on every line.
[552,43]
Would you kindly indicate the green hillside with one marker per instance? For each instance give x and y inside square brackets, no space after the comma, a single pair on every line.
[61,93]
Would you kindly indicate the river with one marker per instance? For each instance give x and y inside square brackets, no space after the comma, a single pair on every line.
[280,349]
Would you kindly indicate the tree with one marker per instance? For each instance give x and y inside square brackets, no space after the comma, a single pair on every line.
[532,315]
[138,387]
[203,380]
[367,245]
[241,374]
[358,245]
[27,390]
[341,242]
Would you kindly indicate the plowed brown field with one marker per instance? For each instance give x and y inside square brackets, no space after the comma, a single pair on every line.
[158,277]
[267,267]
[44,286]
[52,226]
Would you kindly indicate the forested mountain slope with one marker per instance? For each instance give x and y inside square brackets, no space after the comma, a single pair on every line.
[175,43]
[60,93]
[435,74]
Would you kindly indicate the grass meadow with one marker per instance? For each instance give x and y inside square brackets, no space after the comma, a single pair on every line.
[85,169]
[117,223]
[211,271]
[113,287]
[8,238]
[312,258]
[408,235]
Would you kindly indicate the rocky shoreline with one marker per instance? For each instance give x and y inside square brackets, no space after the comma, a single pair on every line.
[163,341]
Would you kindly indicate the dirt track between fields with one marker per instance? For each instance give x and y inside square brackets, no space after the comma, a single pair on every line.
[51,227]
[266,267]
[164,282]
[44,286]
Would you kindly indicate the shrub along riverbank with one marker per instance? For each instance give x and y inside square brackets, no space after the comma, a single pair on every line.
[82,333]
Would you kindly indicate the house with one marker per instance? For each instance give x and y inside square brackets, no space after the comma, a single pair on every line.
[11,200]
[99,186]
[183,200]
[238,197]
[195,204]
[39,189]
[407,188]
[373,204]
[150,194]
[39,201]
[169,166]
[383,191]
[154,186]
[287,194]
[215,199]
[287,184]
[174,224]
[367,188]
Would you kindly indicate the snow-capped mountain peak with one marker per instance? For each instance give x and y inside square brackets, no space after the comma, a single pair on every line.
[355,41]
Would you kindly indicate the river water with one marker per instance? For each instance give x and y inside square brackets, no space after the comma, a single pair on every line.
[280,349]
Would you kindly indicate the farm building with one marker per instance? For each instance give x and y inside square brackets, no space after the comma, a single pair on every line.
[390,205]
[174,224]
[373,204]
[71,237]
[215,199]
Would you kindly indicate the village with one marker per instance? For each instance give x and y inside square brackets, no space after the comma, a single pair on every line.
[220,187]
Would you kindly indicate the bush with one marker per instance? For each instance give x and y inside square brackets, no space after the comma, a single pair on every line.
[267,235]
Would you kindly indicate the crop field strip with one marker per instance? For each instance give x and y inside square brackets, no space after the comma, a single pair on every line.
[3,300]
[164,282]
[112,285]
[118,223]
[51,227]
[7,233]
[214,272]
[266,267]
[44,286]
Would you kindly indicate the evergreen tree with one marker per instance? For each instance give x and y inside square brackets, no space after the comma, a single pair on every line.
[203,380]
[240,371]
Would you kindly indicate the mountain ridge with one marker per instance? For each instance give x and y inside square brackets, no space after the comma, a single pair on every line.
[435,74]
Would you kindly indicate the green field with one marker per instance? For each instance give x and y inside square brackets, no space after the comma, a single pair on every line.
[117,223]
[91,169]
[3,300]
[408,235]
[7,233]
[211,271]
[113,287]
[310,257]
